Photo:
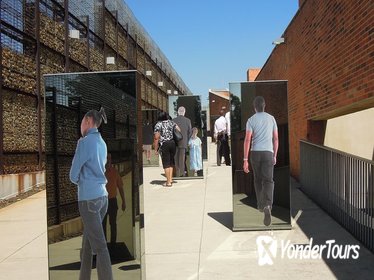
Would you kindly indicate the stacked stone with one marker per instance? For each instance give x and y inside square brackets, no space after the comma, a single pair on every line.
[19,71]
[78,50]
[52,33]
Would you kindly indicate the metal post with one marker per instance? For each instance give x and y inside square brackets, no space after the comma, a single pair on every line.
[55,156]
[66,25]
[104,44]
[88,42]
[38,85]
[117,40]
[128,46]
[136,51]
[1,109]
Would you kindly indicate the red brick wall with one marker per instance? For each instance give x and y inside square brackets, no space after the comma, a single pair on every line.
[252,73]
[328,59]
[215,107]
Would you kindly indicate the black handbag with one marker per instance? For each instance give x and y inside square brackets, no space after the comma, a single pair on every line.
[177,135]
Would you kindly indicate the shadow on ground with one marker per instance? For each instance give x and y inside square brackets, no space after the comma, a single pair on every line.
[118,254]
[317,224]
[224,218]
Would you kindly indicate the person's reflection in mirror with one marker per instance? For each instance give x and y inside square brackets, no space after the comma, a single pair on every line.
[147,140]
[180,155]
[222,139]
[88,172]
[262,130]
[165,145]
[114,183]
[195,146]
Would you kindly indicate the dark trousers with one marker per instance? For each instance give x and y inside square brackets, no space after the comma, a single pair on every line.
[112,213]
[223,149]
[167,154]
[180,159]
[263,169]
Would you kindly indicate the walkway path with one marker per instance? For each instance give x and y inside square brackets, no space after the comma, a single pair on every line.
[188,236]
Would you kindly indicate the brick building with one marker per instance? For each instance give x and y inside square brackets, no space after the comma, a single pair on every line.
[328,60]
[252,74]
[52,36]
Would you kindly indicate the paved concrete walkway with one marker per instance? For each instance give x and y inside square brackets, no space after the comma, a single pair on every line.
[23,239]
[188,235]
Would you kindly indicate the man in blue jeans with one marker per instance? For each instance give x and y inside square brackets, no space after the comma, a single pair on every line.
[262,130]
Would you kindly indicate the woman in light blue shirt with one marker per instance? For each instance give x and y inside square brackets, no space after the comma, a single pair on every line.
[88,173]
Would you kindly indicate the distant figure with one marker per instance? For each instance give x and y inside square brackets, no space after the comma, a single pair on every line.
[262,130]
[222,139]
[88,172]
[114,183]
[180,155]
[194,144]
[147,140]
[165,145]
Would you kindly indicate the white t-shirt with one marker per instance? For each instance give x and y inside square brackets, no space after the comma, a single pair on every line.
[220,125]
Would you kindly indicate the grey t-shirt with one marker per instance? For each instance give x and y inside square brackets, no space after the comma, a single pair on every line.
[262,125]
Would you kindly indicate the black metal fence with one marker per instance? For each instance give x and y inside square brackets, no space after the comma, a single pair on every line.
[343,185]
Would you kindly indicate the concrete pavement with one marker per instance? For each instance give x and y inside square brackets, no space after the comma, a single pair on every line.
[23,239]
[188,235]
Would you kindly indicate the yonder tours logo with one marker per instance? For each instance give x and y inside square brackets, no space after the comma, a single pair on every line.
[267,248]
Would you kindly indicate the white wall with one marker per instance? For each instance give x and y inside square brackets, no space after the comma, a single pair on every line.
[353,133]
[13,184]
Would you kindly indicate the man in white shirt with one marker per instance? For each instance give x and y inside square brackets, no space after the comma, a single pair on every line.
[262,131]
[222,139]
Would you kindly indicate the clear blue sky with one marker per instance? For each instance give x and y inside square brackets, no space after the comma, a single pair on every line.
[213,42]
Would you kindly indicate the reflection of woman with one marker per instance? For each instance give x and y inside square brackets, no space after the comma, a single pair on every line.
[195,151]
[88,172]
[163,141]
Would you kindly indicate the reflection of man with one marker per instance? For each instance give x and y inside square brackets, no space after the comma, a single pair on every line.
[262,129]
[114,183]
[222,139]
[180,155]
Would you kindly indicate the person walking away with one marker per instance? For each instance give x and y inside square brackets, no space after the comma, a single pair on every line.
[195,152]
[262,130]
[114,183]
[185,127]
[88,173]
[222,141]
[165,145]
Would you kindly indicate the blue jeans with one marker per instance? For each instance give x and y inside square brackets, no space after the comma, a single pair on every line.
[94,242]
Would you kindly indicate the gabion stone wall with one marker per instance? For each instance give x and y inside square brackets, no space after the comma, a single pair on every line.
[35,41]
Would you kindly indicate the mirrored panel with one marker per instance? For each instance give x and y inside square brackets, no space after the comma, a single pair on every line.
[186,113]
[246,200]
[68,97]
[149,120]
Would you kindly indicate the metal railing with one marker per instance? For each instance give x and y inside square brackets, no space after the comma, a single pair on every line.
[343,185]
